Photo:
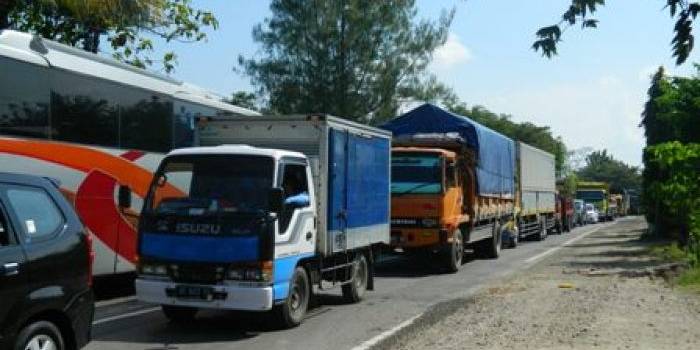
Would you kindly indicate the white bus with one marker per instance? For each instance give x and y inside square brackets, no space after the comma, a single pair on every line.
[96,125]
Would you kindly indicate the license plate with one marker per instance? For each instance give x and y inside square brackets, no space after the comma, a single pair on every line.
[194,292]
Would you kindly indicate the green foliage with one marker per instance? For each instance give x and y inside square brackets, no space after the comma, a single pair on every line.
[684,11]
[567,186]
[601,166]
[352,58]
[244,99]
[677,188]
[534,135]
[127,25]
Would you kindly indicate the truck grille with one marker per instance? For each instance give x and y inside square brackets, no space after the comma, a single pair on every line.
[197,274]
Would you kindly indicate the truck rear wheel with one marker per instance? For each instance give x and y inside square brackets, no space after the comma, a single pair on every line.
[455,253]
[293,310]
[491,248]
[355,290]
[542,235]
[179,314]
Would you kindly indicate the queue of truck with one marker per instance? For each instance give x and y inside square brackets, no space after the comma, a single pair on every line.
[218,207]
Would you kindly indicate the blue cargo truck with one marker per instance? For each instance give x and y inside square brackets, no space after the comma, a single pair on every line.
[263,210]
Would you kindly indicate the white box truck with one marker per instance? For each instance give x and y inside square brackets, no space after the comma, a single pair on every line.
[263,210]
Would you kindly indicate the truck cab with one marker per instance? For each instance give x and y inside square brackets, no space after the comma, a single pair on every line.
[426,197]
[226,227]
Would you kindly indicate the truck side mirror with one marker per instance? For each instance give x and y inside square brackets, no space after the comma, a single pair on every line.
[124,196]
[275,200]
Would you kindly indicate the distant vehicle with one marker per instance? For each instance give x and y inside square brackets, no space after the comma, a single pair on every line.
[452,185]
[537,192]
[565,214]
[239,227]
[592,214]
[96,125]
[46,300]
[579,212]
[596,193]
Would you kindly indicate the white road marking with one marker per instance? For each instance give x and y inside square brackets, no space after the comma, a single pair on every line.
[123,316]
[115,301]
[386,334]
[567,243]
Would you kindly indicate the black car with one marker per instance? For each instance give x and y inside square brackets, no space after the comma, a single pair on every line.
[46,299]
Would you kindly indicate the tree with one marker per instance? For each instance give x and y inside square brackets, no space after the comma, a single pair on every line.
[244,99]
[127,26]
[351,58]
[580,11]
[601,166]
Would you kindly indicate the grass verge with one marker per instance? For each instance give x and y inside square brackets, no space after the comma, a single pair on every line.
[671,252]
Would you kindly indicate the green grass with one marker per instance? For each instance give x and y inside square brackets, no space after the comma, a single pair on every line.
[689,279]
[670,252]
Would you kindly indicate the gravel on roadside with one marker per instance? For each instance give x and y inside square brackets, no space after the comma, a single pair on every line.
[599,293]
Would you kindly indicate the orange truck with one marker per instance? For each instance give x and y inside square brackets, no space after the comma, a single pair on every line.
[452,186]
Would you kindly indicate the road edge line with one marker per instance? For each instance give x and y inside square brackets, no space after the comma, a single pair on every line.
[368,344]
[565,244]
[123,316]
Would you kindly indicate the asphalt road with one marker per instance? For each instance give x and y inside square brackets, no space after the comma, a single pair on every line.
[403,289]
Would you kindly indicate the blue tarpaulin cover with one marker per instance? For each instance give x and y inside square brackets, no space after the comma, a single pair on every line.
[495,152]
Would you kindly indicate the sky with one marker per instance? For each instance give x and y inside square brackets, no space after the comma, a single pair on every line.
[591,94]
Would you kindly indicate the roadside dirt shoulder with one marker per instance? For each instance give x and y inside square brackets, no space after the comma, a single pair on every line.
[602,292]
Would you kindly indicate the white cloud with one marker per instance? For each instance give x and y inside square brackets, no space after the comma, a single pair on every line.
[601,113]
[451,54]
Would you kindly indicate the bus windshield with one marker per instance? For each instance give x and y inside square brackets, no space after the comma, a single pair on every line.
[590,196]
[416,173]
[211,185]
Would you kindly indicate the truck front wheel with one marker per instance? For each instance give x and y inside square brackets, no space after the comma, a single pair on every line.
[179,314]
[293,310]
[455,252]
[356,288]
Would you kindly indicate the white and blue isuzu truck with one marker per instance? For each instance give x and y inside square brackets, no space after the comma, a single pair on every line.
[261,212]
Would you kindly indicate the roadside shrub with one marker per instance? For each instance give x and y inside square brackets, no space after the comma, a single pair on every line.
[676,188]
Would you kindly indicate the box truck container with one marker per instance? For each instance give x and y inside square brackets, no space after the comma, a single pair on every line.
[264,210]
[452,185]
[536,204]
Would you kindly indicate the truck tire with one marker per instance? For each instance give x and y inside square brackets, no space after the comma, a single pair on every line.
[542,235]
[514,240]
[294,308]
[40,335]
[491,248]
[354,291]
[455,253]
[179,314]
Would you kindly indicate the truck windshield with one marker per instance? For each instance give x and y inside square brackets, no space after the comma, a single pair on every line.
[416,173]
[211,185]
[590,196]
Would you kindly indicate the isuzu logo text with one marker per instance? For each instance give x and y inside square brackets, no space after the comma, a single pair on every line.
[201,229]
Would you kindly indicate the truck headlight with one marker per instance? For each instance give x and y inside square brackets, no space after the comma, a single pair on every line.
[154,269]
[235,274]
[429,222]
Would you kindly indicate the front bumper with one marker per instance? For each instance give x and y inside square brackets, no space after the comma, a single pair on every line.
[248,298]
[416,237]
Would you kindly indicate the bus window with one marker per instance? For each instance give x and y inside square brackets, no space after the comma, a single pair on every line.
[24,99]
[83,109]
[185,114]
[145,122]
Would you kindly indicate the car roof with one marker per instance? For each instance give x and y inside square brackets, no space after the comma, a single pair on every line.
[23,179]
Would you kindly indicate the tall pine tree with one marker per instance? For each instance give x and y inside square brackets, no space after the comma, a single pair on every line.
[351,58]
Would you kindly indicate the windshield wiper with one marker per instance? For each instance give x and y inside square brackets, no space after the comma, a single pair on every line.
[415,188]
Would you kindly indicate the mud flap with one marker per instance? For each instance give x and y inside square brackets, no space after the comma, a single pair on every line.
[370,272]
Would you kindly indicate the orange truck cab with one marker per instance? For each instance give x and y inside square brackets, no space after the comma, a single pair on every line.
[426,197]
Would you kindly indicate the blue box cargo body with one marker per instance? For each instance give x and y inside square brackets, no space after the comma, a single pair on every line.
[495,168]
[350,164]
